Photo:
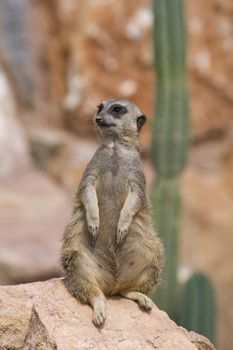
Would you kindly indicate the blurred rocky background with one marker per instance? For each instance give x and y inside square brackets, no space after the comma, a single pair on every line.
[58,60]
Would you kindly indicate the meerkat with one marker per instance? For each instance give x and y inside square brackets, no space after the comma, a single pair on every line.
[109,246]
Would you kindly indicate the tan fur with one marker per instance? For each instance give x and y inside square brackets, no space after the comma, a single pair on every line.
[110,246]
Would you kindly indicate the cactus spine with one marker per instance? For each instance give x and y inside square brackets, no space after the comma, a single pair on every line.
[198,306]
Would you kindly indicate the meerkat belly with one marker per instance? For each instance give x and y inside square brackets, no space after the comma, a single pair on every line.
[112,190]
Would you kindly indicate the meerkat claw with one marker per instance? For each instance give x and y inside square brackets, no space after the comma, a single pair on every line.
[93,230]
[121,235]
[145,303]
[98,319]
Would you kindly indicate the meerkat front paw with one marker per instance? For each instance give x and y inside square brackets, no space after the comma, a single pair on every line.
[121,234]
[93,228]
[122,230]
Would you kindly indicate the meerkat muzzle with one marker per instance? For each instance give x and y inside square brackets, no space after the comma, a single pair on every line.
[101,123]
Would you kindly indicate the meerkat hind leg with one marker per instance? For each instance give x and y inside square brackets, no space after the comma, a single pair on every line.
[143,300]
[98,305]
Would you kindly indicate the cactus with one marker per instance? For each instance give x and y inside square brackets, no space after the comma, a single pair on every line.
[198,308]
[170,128]
[168,155]
[166,200]
[169,136]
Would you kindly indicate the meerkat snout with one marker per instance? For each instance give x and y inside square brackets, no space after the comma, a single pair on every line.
[99,121]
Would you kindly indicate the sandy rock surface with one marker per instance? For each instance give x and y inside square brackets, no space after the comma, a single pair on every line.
[43,315]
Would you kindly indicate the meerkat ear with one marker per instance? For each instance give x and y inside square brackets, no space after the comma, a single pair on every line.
[141,121]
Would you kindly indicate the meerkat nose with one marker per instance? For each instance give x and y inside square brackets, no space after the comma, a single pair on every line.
[98,120]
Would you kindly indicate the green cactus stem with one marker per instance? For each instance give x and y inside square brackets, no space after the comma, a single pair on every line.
[166,213]
[170,129]
[198,306]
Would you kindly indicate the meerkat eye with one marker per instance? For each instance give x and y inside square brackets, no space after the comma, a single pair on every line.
[117,111]
[100,107]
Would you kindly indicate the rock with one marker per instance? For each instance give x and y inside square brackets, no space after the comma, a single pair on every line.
[33,214]
[202,343]
[43,315]
[37,335]
[67,74]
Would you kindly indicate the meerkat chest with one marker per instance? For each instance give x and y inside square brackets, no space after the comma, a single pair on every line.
[114,175]
[113,181]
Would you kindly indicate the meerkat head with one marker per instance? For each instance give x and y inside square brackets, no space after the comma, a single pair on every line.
[119,120]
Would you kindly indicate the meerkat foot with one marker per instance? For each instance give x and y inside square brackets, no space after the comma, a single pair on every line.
[98,316]
[143,300]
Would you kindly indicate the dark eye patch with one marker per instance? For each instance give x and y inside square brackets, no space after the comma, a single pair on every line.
[100,107]
[117,111]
